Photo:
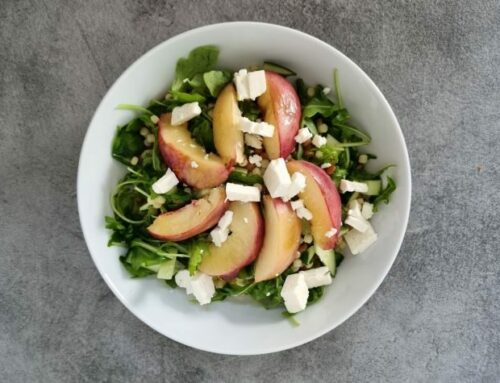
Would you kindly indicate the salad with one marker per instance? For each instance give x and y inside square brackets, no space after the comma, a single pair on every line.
[243,183]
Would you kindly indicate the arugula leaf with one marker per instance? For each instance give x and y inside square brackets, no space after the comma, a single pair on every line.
[268,293]
[184,97]
[315,295]
[196,253]
[127,142]
[249,109]
[240,177]
[201,130]
[384,194]
[215,80]
[321,106]
[199,60]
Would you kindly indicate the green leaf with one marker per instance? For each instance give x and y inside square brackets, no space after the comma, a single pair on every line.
[127,142]
[199,60]
[277,68]
[196,253]
[201,130]
[240,177]
[324,107]
[134,108]
[249,109]
[184,97]
[215,80]
[315,295]
[385,194]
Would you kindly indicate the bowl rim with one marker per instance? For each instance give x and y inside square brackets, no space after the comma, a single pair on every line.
[405,159]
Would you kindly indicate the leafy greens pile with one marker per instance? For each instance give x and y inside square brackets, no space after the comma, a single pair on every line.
[135,205]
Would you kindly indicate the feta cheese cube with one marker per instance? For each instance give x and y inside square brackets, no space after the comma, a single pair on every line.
[184,113]
[303,135]
[165,183]
[353,186]
[259,128]
[358,241]
[256,160]
[367,210]
[277,179]
[297,186]
[358,223]
[226,220]
[241,83]
[319,276]
[183,280]
[202,286]
[355,219]
[236,192]
[295,293]
[256,83]
[219,236]
[253,141]
[297,204]
[318,141]
[250,85]
[304,213]
[330,233]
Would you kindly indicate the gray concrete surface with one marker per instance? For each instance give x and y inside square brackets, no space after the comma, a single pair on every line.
[436,318]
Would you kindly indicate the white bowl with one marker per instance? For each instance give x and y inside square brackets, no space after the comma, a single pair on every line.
[236,326]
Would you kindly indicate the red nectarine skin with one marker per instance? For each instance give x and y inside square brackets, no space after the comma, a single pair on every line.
[165,228]
[329,192]
[281,106]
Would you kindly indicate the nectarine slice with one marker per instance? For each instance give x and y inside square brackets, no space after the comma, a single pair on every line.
[187,159]
[281,106]
[228,137]
[321,197]
[242,246]
[281,240]
[192,219]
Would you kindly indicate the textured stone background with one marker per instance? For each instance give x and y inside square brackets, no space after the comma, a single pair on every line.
[437,315]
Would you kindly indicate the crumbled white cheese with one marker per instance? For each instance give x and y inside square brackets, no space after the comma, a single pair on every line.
[165,183]
[184,113]
[326,165]
[330,233]
[353,186]
[304,213]
[183,280]
[194,164]
[297,204]
[295,293]
[367,210]
[225,220]
[303,135]
[358,241]
[308,238]
[298,185]
[250,85]
[319,276]
[277,179]
[318,141]
[236,192]
[355,219]
[253,141]
[256,160]
[259,128]
[326,90]
[219,236]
